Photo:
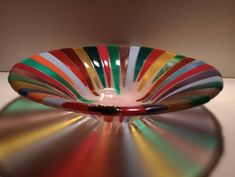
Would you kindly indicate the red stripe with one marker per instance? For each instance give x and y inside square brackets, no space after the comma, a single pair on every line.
[183,76]
[76,162]
[167,74]
[64,59]
[193,93]
[27,74]
[46,78]
[78,62]
[124,53]
[104,55]
[134,110]
[149,61]
[80,107]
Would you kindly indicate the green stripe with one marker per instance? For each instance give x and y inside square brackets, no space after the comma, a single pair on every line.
[24,79]
[95,59]
[216,84]
[35,82]
[22,104]
[171,63]
[114,56]
[49,72]
[198,100]
[171,153]
[205,140]
[142,56]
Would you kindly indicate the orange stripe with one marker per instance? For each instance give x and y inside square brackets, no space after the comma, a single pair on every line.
[43,61]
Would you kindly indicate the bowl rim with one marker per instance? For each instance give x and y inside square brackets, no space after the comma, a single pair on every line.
[141,109]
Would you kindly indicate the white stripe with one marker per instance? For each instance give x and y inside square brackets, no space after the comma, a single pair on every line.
[66,70]
[133,54]
[197,83]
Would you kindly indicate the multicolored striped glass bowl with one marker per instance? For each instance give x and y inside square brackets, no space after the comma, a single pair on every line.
[116,80]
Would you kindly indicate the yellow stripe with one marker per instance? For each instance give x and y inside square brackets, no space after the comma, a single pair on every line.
[89,66]
[20,84]
[153,161]
[158,64]
[10,146]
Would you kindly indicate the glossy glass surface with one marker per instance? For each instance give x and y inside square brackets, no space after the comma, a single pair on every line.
[116,80]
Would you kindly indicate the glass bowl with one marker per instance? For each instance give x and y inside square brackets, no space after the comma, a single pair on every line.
[115,80]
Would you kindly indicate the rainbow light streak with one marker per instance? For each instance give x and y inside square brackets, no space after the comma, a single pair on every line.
[12,145]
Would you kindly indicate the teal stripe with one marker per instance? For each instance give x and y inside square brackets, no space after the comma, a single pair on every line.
[178,73]
[171,63]
[95,59]
[114,56]
[174,156]
[143,54]
[206,140]
[216,84]
[49,72]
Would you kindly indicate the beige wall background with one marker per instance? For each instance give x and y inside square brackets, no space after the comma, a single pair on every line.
[202,29]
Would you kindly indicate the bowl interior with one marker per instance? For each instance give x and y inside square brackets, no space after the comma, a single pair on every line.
[116,80]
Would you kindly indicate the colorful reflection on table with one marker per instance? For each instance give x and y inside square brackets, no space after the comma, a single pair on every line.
[38,141]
